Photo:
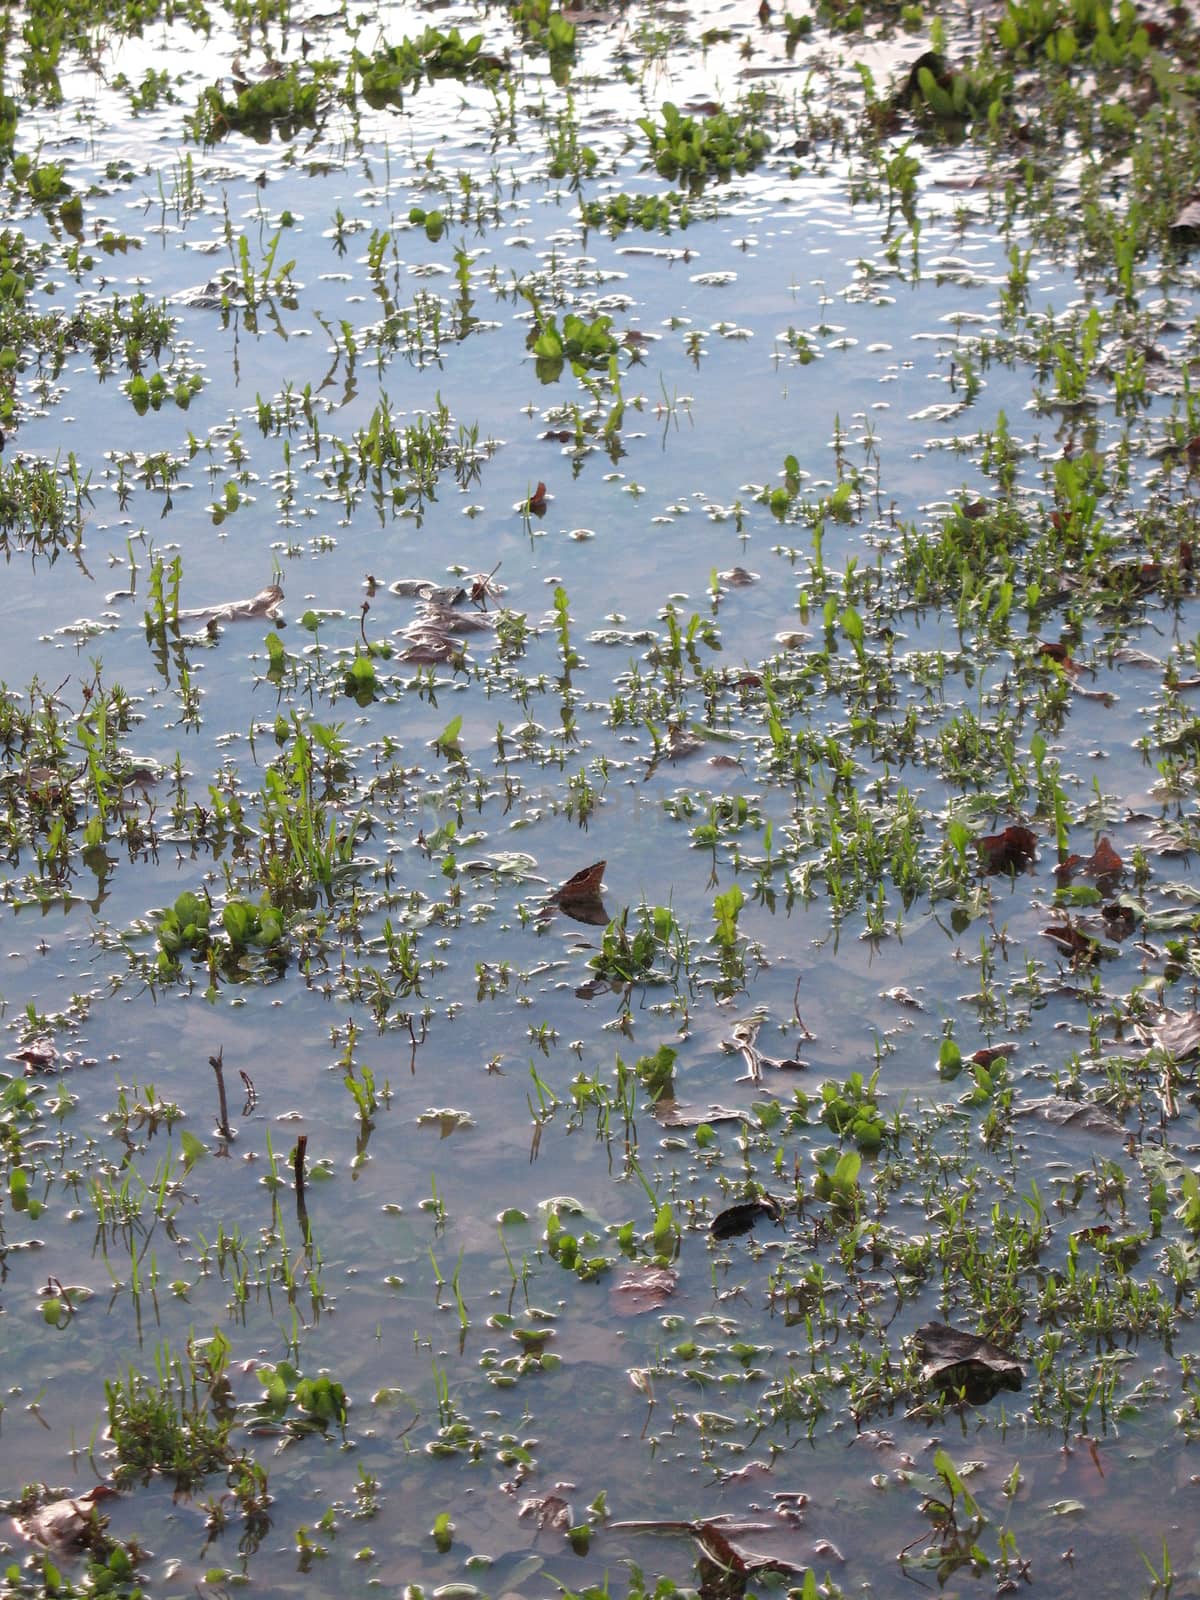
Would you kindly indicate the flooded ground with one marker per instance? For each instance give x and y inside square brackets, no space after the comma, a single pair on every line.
[599,647]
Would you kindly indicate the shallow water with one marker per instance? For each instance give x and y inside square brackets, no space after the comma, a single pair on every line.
[776,1383]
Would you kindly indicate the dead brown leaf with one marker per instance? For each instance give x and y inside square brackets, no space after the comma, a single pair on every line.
[583,885]
[1010,851]
[741,1217]
[1079,946]
[580,896]
[265,603]
[73,1523]
[1080,1116]
[675,1114]
[643,1288]
[957,1361]
[1175,1032]
[549,1511]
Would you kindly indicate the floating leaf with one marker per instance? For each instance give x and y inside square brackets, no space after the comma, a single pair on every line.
[549,1511]
[70,1523]
[1078,1115]
[1010,851]
[1081,947]
[1176,1032]
[1104,862]
[643,1288]
[265,603]
[740,1218]
[964,1362]
[579,896]
[535,505]
[675,1114]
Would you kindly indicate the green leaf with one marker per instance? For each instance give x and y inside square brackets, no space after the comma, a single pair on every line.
[192,1148]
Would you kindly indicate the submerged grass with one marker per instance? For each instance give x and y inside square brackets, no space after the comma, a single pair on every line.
[886,1016]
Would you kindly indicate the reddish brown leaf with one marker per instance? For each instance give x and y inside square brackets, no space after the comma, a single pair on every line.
[718,1548]
[1010,851]
[643,1288]
[995,1052]
[536,504]
[1077,945]
[583,885]
[1056,652]
[1104,861]
[39,1055]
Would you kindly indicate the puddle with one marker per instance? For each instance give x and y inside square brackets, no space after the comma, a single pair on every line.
[743,455]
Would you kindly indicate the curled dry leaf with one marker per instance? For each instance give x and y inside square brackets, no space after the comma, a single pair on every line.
[724,1542]
[1059,654]
[643,1288]
[681,742]
[582,886]
[441,594]
[1010,851]
[432,635]
[745,1035]
[993,1052]
[579,898]
[901,997]
[39,1055]
[535,506]
[1130,656]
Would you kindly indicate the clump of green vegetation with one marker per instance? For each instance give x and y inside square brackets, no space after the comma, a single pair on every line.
[246,928]
[396,67]
[545,28]
[935,91]
[650,212]
[38,512]
[692,149]
[1059,30]
[168,1423]
[150,394]
[582,343]
[282,104]
[653,952]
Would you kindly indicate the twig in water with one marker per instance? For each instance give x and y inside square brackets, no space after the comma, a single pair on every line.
[217,1063]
